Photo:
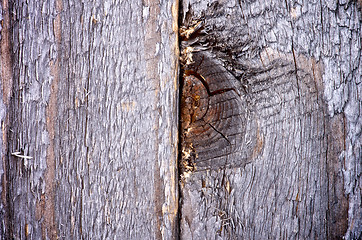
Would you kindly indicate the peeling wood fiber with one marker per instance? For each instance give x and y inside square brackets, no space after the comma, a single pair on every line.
[300,67]
[6,81]
[93,108]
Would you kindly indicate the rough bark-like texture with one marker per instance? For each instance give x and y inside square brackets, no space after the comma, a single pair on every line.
[6,80]
[299,69]
[89,128]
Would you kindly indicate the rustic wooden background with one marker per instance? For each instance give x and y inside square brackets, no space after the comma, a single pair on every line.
[302,124]
[91,94]
[89,113]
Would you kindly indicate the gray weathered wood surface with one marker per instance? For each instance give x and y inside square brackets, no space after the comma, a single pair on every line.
[299,68]
[90,93]
[89,116]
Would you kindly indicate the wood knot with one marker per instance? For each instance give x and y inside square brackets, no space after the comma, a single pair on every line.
[213,117]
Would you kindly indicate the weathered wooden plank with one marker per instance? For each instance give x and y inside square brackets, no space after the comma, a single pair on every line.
[94,104]
[6,81]
[301,180]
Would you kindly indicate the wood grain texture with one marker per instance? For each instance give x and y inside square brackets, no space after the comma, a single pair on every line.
[307,124]
[214,116]
[6,81]
[94,104]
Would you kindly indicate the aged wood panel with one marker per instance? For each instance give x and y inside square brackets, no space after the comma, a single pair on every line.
[91,120]
[299,71]
[5,90]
